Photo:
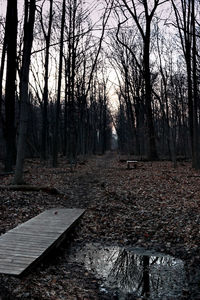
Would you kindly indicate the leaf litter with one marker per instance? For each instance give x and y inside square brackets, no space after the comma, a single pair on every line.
[153,206]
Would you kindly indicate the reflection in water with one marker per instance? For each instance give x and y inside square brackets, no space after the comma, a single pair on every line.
[135,271]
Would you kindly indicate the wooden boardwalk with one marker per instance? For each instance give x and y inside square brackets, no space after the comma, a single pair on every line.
[24,245]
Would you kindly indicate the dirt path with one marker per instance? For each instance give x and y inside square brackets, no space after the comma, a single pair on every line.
[89,185]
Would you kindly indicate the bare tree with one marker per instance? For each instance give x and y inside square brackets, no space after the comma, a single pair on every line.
[183,22]
[55,139]
[47,36]
[11,47]
[196,155]
[29,19]
[186,24]
[3,56]
[144,27]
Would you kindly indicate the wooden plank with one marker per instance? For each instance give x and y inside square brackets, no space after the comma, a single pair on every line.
[25,245]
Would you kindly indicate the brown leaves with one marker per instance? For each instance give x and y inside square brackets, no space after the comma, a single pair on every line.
[154,206]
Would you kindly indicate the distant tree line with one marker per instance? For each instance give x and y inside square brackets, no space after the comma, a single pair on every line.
[53,93]
[155,53]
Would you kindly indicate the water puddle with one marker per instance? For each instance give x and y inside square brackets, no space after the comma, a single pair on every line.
[134,272]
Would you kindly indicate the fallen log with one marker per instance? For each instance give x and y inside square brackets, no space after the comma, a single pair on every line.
[6,173]
[11,173]
[31,188]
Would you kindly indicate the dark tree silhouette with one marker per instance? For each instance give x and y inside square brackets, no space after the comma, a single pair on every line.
[29,19]
[145,32]
[11,47]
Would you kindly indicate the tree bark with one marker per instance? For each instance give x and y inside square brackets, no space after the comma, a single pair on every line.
[3,56]
[152,153]
[56,130]
[11,42]
[196,155]
[29,19]
[46,80]
[146,277]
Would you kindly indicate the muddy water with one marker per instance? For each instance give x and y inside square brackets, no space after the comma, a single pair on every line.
[131,273]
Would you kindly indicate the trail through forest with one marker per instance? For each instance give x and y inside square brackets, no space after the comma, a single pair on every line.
[154,207]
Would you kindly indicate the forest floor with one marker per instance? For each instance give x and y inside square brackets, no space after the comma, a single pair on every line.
[154,206]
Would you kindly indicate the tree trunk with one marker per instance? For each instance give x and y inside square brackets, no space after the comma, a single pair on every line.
[196,155]
[3,56]
[56,130]
[29,20]
[146,277]
[190,96]
[152,153]
[11,41]
[46,78]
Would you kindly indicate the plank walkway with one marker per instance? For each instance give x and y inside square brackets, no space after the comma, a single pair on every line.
[27,243]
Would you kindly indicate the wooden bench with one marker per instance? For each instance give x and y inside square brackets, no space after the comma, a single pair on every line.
[27,243]
[132,163]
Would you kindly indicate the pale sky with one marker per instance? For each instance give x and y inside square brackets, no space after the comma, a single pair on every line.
[95,6]
[90,4]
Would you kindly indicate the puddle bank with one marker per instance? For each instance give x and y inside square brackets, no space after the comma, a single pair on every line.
[134,272]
